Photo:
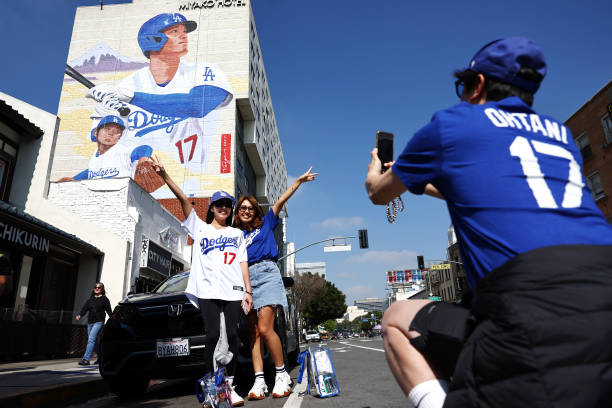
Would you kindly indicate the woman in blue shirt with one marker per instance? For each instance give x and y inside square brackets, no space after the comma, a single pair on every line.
[267,284]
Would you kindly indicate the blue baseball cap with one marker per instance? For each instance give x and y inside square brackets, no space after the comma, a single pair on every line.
[220,195]
[503,58]
[110,119]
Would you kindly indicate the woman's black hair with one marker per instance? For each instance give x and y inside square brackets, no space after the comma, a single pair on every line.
[497,90]
[210,216]
[93,292]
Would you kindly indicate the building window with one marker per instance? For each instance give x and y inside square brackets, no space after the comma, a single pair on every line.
[595,185]
[8,157]
[606,124]
[582,141]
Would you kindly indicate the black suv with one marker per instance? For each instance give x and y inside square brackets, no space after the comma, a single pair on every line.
[161,335]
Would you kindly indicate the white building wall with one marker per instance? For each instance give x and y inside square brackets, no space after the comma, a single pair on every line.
[30,194]
[353,312]
[121,208]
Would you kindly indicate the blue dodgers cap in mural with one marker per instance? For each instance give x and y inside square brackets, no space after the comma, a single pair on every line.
[150,36]
[111,119]
[116,120]
[220,195]
[502,59]
[105,121]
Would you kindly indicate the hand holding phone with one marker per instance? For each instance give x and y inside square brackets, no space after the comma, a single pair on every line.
[384,144]
[245,307]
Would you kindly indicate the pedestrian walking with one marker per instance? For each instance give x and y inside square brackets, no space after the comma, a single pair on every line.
[219,276]
[267,282]
[96,307]
[535,248]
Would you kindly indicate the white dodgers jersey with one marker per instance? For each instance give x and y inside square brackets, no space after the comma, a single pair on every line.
[181,125]
[115,162]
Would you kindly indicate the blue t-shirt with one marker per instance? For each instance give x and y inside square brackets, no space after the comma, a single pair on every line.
[260,242]
[512,180]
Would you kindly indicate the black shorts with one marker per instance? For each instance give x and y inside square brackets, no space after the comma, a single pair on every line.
[444,328]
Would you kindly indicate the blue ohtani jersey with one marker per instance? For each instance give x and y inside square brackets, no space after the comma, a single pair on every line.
[512,180]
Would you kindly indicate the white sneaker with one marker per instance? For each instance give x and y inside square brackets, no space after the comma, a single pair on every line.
[259,390]
[237,400]
[282,385]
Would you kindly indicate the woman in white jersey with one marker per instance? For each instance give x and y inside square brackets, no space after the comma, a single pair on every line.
[268,289]
[219,277]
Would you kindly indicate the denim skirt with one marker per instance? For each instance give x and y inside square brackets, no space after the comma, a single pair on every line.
[267,284]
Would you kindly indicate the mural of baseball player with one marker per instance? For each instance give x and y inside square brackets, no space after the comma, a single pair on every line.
[112,159]
[173,105]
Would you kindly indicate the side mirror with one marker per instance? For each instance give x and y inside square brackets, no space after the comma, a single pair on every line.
[288,281]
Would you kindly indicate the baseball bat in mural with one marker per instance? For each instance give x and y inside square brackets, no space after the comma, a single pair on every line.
[77,76]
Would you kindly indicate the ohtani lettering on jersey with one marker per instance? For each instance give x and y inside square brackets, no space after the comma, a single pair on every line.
[220,243]
[529,122]
[103,173]
[249,237]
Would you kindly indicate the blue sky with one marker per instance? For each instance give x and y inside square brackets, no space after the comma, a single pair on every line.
[339,71]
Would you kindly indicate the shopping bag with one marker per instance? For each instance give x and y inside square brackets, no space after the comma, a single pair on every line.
[213,390]
[317,363]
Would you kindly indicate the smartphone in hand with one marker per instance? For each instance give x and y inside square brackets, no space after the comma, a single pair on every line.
[384,144]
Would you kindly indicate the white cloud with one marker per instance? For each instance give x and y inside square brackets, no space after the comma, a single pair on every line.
[386,259]
[339,223]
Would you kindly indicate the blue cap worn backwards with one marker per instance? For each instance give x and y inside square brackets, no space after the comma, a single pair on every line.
[110,119]
[219,195]
[502,59]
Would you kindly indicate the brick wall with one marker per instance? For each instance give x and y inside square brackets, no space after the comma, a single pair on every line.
[588,119]
[174,206]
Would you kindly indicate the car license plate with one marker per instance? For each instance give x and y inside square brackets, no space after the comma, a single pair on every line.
[172,348]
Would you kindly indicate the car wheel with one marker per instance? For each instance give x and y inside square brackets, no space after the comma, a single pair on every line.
[129,386]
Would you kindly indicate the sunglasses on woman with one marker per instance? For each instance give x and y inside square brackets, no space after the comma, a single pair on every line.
[246,208]
[223,203]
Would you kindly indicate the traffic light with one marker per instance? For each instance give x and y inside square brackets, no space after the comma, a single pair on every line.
[363,238]
[421,262]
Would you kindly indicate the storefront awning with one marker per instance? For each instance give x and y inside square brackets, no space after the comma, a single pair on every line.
[17,218]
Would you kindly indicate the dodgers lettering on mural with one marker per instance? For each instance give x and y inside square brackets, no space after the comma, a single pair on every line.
[164,66]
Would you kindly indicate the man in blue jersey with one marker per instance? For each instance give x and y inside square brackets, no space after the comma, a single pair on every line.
[536,250]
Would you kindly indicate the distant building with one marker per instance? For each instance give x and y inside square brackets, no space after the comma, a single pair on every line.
[316,268]
[591,126]
[372,304]
[353,312]
[290,260]
[416,292]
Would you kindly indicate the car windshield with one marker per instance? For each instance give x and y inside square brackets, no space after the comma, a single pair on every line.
[311,332]
[176,283]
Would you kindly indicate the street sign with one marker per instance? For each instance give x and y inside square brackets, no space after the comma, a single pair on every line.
[337,248]
[440,267]
[435,298]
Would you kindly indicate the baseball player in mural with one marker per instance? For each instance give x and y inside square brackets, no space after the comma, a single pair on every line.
[113,159]
[174,106]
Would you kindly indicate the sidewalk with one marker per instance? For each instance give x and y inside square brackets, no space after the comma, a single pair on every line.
[48,383]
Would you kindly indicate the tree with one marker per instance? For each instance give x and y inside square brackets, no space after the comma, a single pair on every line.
[330,325]
[306,287]
[330,305]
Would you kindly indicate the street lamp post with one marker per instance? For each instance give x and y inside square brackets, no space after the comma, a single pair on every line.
[311,244]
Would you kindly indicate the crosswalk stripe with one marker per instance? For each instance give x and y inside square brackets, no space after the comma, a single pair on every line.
[295,399]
